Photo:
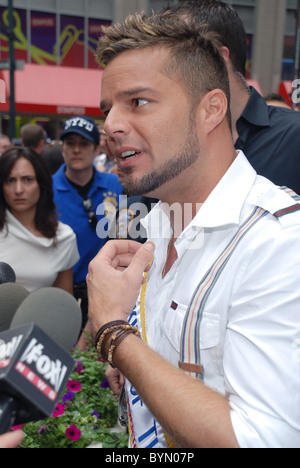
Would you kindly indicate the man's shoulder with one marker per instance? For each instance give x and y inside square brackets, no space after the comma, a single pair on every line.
[281,116]
[282,203]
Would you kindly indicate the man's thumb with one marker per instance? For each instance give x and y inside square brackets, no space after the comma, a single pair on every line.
[141,260]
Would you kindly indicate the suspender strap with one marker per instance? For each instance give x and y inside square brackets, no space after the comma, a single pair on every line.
[190,338]
[291,193]
[289,209]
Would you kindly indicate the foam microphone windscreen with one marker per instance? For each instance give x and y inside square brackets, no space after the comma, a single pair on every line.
[7,274]
[11,297]
[55,311]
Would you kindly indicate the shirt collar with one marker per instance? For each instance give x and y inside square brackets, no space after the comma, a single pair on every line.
[62,183]
[223,206]
[256,111]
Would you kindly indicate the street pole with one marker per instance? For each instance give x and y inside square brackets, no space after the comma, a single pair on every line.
[11,37]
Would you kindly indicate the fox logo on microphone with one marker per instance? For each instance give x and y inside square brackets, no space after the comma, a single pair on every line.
[52,371]
[7,350]
[34,371]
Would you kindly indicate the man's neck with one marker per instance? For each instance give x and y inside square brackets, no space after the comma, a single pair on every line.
[193,187]
[239,99]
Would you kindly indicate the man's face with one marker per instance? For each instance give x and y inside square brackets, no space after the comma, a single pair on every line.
[78,152]
[4,144]
[148,121]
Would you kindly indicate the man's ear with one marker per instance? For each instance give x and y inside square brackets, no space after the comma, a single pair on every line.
[214,106]
[225,53]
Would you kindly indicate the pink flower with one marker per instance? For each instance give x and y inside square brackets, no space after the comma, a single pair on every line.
[59,410]
[16,428]
[79,368]
[73,433]
[74,386]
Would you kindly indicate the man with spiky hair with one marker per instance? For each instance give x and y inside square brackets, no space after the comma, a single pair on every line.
[214,293]
[268,135]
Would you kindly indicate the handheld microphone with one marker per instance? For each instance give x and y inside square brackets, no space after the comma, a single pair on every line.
[7,274]
[11,297]
[34,368]
[55,311]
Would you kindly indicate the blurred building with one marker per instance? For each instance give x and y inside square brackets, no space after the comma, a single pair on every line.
[57,40]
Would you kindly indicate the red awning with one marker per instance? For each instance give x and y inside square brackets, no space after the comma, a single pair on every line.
[285,89]
[55,90]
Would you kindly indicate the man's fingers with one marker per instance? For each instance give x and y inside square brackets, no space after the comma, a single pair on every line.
[141,260]
[11,440]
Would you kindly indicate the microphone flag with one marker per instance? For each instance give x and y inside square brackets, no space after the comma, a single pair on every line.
[34,371]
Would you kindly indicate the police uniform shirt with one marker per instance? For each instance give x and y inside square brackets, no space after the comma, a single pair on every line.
[250,326]
[104,192]
[270,138]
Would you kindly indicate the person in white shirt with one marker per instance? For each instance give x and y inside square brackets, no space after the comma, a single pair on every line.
[214,294]
[41,250]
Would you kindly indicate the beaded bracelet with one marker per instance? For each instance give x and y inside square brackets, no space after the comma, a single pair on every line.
[115,331]
[116,340]
[110,325]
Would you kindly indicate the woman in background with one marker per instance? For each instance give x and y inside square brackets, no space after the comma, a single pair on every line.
[41,250]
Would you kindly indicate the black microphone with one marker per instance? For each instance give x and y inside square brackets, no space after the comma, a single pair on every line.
[35,368]
[55,311]
[7,274]
[11,297]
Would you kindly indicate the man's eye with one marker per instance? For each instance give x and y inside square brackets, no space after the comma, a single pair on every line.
[140,102]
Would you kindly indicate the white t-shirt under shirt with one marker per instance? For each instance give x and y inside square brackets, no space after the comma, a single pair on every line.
[37,260]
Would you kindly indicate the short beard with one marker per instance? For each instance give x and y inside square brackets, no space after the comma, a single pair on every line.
[169,171]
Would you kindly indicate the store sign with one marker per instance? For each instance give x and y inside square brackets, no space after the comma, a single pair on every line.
[64,110]
[2,92]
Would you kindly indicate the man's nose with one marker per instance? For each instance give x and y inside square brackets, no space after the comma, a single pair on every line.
[116,124]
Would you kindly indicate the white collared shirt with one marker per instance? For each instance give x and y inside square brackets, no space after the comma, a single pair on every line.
[37,261]
[250,330]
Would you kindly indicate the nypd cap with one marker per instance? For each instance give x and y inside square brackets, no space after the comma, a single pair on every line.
[83,126]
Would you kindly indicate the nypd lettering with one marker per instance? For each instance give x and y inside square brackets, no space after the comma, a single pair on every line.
[79,122]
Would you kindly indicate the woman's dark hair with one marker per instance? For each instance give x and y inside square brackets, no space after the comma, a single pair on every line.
[46,218]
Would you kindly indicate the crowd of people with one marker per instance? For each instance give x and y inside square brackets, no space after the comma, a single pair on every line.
[49,199]
[185,128]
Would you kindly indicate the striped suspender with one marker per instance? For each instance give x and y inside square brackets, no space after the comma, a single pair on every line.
[291,193]
[289,209]
[190,338]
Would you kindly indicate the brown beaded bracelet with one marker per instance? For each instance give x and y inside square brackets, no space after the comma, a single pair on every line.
[108,325]
[116,340]
[116,332]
